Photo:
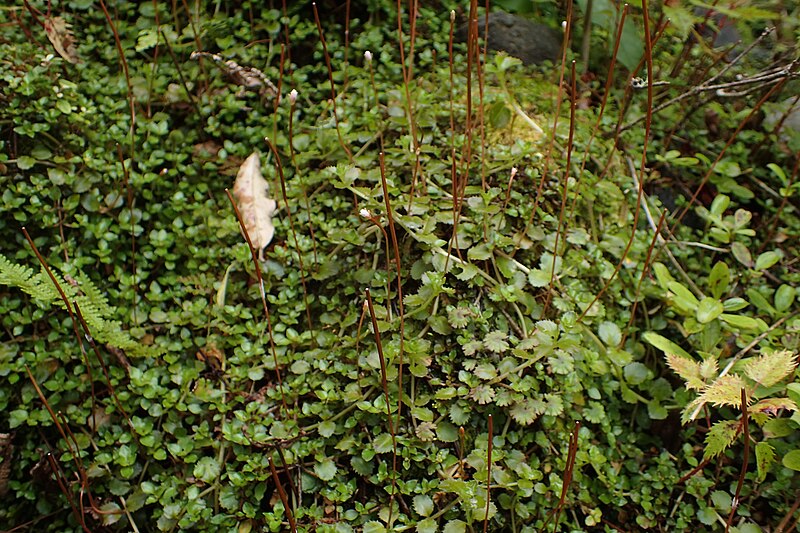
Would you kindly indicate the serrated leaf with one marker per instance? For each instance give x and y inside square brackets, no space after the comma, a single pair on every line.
[423,504]
[207,469]
[765,458]
[687,369]
[482,394]
[527,411]
[373,526]
[720,437]
[325,469]
[495,341]
[726,390]
[538,278]
[455,526]
[428,525]
[468,271]
[255,206]
[769,369]
[479,253]
[383,443]
[485,371]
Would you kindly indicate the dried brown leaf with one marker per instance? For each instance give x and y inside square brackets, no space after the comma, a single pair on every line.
[255,206]
[771,406]
[59,33]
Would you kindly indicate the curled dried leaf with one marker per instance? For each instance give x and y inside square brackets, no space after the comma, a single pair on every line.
[59,33]
[255,206]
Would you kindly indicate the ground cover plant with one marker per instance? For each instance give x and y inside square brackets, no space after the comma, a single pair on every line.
[476,295]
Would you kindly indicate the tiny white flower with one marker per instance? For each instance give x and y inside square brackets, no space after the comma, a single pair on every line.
[293,96]
[365,213]
[513,172]
[368,56]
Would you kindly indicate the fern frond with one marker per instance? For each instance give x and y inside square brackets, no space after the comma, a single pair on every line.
[94,306]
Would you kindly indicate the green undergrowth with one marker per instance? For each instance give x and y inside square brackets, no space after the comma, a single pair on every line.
[535,320]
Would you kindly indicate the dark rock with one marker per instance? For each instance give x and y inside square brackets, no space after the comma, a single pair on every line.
[531,42]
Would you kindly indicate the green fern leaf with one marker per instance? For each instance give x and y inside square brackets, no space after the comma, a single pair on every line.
[720,437]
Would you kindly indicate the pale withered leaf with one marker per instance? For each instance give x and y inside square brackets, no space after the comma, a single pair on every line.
[255,206]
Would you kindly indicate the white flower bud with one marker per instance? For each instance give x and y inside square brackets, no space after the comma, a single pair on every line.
[368,56]
[293,96]
[365,213]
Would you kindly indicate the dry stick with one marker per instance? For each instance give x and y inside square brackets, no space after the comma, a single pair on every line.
[462,445]
[277,101]
[279,165]
[781,527]
[346,49]
[455,188]
[257,264]
[295,490]
[481,117]
[154,67]
[745,459]
[330,80]
[400,304]
[488,475]
[90,339]
[130,198]
[121,53]
[773,225]
[282,495]
[763,77]
[568,470]
[407,73]
[385,385]
[71,316]
[563,209]
[626,100]
[549,153]
[722,152]
[292,102]
[192,98]
[459,188]
[56,468]
[606,92]
[648,57]
[286,33]
[132,110]
[75,453]
[645,271]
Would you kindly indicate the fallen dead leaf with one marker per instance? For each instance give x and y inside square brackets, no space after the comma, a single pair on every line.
[61,36]
[255,206]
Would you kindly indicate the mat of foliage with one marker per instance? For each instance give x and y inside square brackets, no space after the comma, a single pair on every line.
[189,425]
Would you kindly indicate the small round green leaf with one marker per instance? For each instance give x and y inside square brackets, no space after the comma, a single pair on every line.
[792,460]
